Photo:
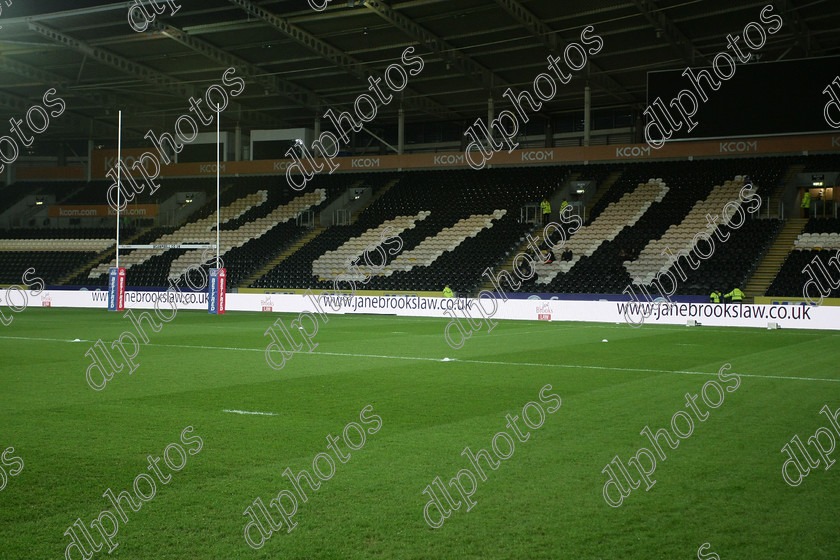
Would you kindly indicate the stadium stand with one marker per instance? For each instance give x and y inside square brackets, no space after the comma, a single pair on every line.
[50,265]
[820,240]
[679,238]
[791,279]
[203,231]
[618,215]
[11,194]
[448,197]
[60,233]
[432,211]
[822,225]
[603,271]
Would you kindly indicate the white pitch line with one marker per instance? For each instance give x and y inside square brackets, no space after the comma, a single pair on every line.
[487,362]
[246,412]
[47,339]
[581,367]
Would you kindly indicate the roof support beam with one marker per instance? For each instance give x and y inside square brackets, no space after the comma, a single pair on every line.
[663,24]
[800,30]
[552,40]
[298,94]
[63,86]
[139,71]
[342,60]
[466,65]
[81,122]
[108,58]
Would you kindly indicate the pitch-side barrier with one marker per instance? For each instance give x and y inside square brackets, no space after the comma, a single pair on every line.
[763,316]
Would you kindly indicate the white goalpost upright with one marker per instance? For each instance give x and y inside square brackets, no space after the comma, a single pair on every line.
[218,163]
[117,275]
[119,177]
[217,279]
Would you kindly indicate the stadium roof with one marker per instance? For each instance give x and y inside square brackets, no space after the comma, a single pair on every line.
[298,62]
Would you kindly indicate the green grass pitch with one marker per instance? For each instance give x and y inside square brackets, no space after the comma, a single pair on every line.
[722,485]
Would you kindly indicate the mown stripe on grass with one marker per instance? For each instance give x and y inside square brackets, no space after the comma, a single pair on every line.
[485,362]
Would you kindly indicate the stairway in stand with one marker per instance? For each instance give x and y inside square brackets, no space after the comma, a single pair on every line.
[108,253]
[373,199]
[508,264]
[780,189]
[774,259]
[603,188]
[310,235]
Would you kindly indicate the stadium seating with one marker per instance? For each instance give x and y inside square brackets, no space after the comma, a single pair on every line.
[679,238]
[53,252]
[689,182]
[791,278]
[51,266]
[446,199]
[615,217]
[822,225]
[820,240]
[95,245]
[453,225]
[334,263]
[61,233]
[822,162]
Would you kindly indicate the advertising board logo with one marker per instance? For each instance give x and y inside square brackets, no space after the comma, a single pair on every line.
[538,155]
[738,147]
[364,162]
[544,312]
[128,162]
[449,159]
[633,151]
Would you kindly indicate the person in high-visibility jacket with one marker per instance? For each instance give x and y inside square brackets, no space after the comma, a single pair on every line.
[563,206]
[546,210]
[447,291]
[806,203]
[736,295]
[715,296]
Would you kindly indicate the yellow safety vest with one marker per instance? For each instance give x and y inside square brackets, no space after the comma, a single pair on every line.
[736,294]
